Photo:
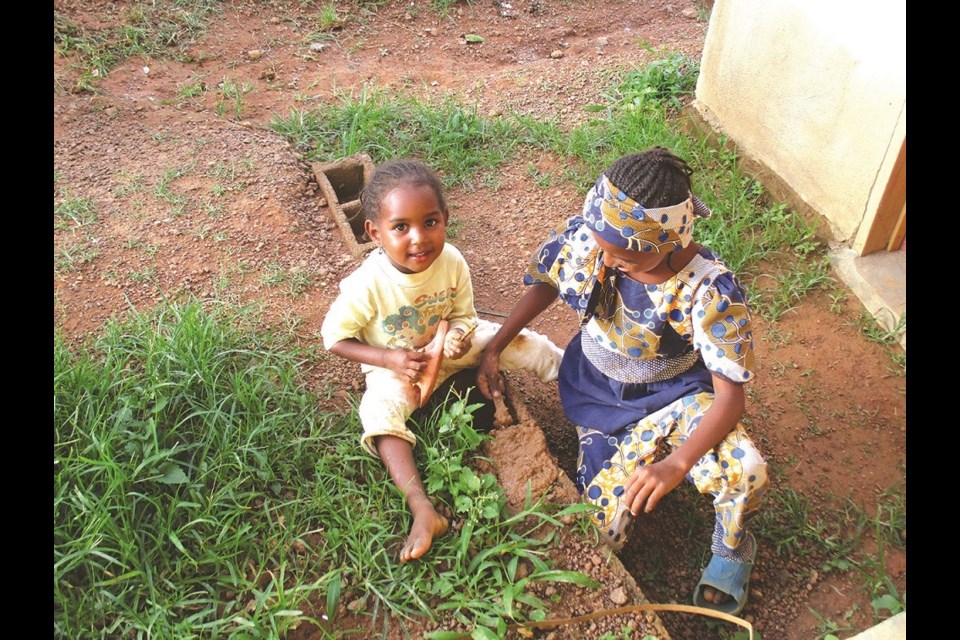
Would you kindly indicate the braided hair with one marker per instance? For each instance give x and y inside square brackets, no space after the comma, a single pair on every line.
[393,174]
[653,178]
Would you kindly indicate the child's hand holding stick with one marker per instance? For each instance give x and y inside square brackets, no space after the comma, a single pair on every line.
[458,343]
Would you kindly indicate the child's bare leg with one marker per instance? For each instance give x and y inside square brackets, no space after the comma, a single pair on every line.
[397,456]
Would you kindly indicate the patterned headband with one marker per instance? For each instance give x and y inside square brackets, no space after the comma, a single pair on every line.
[623,222]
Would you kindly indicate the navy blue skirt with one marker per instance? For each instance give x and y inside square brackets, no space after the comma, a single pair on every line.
[592,400]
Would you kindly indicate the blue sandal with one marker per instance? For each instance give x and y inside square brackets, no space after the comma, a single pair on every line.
[730,577]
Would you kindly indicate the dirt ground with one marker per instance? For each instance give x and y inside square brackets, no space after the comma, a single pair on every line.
[192,200]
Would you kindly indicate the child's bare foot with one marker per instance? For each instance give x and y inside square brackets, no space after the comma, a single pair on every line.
[427,525]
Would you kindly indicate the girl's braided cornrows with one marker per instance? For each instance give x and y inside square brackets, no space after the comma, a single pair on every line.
[653,178]
[393,174]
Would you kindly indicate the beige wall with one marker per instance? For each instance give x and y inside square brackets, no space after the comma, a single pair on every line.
[814,90]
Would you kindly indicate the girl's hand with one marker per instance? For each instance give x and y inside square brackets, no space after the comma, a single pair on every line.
[456,344]
[647,484]
[405,362]
[488,375]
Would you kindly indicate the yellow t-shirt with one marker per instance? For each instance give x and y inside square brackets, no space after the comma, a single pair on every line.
[380,306]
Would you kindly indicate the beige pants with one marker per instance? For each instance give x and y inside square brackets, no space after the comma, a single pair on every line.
[390,399]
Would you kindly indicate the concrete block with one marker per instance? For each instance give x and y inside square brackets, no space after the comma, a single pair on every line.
[341,182]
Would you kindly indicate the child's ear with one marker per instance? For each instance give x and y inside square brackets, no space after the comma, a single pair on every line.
[372,230]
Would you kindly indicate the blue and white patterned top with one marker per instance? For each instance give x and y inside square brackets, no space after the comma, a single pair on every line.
[702,308]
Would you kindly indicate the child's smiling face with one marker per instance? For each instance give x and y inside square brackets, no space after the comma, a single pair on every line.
[411,228]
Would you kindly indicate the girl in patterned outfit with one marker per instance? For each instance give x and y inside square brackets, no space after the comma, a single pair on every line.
[393,306]
[664,350]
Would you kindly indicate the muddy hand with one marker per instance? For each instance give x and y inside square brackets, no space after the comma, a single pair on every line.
[488,376]
[405,362]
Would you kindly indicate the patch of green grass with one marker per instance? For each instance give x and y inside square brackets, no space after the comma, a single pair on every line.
[788,523]
[542,180]
[148,248]
[327,17]
[443,7]
[885,333]
[801,277]
[213,209]
[191,89]
[451,138]
[662,82]
[828,629]
[158,30]
[79,211]
[148,274]
[232,169]
[888,334]
[162,189]
[295,280]
[133,183]
[231,97]
[837,300]
[74,256]
[837,535]
[898,363]
[200,490]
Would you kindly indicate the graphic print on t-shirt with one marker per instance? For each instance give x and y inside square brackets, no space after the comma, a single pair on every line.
[413,325]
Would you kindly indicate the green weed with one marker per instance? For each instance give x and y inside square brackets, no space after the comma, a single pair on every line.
[449,137]
[443,7]
[804,276]
[890,601]
[828,629]
[191,89]
[74,256]
[295,280]
[161,188]
[158,30]
[885,333]
[837,300]
[148,248]
[232,169]
[788,523]
[888,334]
[231,97]
[133,183]
[542,180]
[79,211]
[662,82]
[327,17]
[146,275]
